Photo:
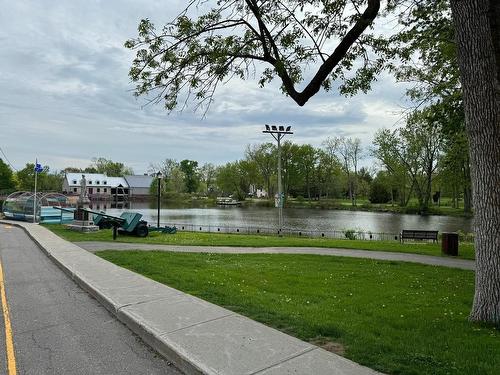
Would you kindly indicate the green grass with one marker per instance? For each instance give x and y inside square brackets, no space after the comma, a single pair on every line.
[398,318]
[466,250]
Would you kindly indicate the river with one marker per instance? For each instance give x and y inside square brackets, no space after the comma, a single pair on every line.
[301,219]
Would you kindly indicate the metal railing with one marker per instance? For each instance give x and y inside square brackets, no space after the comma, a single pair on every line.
[336,234]
[349,234]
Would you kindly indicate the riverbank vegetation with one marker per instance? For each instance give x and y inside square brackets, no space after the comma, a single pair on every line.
[329,177]
[466,250]
[397,318]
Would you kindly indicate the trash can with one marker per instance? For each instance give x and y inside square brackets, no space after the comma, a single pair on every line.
[449,243]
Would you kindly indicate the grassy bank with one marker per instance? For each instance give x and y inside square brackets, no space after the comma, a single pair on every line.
[365,205]
[466,250]
[398,318]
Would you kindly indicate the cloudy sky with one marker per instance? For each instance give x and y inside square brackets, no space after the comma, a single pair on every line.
[66,97]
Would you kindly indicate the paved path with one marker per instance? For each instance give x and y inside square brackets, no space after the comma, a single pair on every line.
[199,337]
[57,328]
[381,255]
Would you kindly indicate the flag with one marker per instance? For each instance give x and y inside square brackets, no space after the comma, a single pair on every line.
[38,168]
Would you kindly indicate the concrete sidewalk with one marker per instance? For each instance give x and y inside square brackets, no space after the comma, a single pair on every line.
[380,255]
[199,337]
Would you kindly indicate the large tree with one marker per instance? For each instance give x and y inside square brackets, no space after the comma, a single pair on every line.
[477,25]
[109,167]
[264,156]
[191,176]
[414,148]
[46,181]
[426,53]
[7,183]
[192,56]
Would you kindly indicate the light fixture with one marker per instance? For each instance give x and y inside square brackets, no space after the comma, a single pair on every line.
[278,132]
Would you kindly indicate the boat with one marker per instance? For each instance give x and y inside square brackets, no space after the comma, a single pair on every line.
[227,201]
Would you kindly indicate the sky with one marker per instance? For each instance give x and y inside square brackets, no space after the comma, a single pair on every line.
[66,96]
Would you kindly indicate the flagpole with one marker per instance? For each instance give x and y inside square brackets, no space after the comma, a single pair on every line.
[34,197]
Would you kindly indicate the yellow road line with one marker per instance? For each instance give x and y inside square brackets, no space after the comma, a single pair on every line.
[9,343]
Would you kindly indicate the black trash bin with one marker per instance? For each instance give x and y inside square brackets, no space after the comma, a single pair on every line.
[449,243]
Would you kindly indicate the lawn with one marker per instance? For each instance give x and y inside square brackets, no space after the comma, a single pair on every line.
[398,318]
[466,250]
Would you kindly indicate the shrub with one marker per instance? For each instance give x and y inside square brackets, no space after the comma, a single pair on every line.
[350,234]
[379,193]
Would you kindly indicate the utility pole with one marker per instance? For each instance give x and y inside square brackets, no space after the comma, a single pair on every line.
[158,177]
[278,133]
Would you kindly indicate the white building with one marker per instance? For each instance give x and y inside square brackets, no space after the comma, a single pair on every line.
[99,186]
[257,192]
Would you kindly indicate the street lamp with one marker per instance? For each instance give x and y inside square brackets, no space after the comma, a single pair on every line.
[158,177]
[278,133]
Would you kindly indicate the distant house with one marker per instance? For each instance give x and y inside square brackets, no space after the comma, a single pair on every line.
[139,185]
[257,192]
[99,186]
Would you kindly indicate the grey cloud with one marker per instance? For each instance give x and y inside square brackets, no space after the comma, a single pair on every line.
[66,96]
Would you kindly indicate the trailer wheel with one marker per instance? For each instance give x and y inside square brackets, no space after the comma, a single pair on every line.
[142,231]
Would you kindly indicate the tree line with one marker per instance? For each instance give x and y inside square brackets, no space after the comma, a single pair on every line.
[415,161]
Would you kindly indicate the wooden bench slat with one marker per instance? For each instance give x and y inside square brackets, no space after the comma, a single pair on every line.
[419,234]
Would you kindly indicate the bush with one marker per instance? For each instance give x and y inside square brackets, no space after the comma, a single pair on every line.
[379,193]
[350,234]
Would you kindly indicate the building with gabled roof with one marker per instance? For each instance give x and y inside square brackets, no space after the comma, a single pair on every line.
[139,185]
[98,186]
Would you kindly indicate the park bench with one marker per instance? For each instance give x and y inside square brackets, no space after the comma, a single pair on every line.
[418,235]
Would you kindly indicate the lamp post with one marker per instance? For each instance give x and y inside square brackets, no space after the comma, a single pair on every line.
[158,177]
[278,132]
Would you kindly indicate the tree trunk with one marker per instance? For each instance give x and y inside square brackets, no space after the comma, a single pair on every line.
[454,201]
[428,189]
[355,182]
[408,197]
[478,40]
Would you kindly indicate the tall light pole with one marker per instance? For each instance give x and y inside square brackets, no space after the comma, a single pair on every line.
[278,132]
[158,177]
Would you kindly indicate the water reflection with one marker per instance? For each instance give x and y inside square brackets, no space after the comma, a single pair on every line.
[296,219]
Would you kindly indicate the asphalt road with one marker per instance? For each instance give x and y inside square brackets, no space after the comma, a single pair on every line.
[57,328]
